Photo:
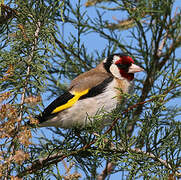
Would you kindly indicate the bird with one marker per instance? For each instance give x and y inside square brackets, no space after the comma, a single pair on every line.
[98,88]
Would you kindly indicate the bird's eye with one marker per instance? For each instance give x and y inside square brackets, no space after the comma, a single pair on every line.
[123,66]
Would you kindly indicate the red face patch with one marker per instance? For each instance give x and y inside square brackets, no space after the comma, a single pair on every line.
[125,60]
[123,64]
[128,76]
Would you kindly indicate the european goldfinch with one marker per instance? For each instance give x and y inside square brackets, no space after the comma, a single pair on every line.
[91,91]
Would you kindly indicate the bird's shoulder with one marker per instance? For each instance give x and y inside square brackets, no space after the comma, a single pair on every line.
[89,79]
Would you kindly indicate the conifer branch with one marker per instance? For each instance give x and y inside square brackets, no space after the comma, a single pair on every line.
[151,77]
[38,25]
[55,158]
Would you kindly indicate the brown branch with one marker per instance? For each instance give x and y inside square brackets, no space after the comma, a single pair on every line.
[92,2]
[171,49]
[162,44]
[23,31]
[51,159]
[108,169]
[6,13]
[127,110]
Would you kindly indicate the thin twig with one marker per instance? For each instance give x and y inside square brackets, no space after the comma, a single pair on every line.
[151,76]
[28,69]
[150,155]
[162,45]
[25,86]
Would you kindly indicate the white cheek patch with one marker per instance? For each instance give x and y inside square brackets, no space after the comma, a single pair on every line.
[115,71]
[105,60]
[116,58]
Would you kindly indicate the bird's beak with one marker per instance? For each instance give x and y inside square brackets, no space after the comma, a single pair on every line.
[134,68]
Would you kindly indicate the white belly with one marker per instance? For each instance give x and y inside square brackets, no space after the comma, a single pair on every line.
[83,111]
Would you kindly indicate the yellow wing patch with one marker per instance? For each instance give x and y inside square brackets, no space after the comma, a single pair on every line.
[72,101]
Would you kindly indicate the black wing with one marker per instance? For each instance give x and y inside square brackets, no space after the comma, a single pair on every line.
[61,100]
[97,89]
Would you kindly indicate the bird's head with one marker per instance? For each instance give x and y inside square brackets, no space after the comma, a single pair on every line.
[121,66]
